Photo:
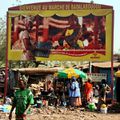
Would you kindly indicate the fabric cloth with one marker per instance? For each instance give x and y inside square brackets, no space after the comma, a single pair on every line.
[27,55]
[88,91]
[23,34]
[22,99]
[74,89]
[74,94]
[19,44]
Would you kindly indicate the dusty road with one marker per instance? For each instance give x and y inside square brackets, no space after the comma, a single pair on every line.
[65,114]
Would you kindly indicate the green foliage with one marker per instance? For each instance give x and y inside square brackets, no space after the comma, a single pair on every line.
[2,41]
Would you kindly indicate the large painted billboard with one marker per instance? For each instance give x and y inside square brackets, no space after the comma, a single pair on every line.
[60,31]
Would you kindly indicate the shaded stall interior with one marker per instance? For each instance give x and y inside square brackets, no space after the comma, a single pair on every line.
[2,78]
[117,84]
[38,79]
[62,90]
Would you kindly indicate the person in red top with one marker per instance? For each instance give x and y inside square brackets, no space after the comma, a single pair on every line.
[88,91]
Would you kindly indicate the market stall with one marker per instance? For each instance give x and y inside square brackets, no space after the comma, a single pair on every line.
[38,80]
[117,85]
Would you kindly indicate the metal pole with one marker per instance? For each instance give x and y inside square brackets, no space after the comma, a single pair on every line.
[112,66]
[90,67]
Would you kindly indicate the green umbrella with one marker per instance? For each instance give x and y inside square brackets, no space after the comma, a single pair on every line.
[81,73]
[68,73]
[62,74]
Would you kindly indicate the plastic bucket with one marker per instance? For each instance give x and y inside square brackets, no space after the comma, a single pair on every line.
[92,107]
[103,110]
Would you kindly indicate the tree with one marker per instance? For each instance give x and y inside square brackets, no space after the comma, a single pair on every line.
[2,41]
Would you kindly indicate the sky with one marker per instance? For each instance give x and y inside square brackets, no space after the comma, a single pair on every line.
[5,4]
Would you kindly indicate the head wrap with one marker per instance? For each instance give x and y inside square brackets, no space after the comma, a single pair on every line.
[89,79]
[73,78]
[23,34]
[24,79]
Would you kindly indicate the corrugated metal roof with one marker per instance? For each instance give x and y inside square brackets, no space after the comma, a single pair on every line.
[106,64]
[101,65]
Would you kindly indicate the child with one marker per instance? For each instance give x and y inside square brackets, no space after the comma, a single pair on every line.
[23,99]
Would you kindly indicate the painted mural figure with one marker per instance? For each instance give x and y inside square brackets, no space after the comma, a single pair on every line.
[23,43]
[49,34]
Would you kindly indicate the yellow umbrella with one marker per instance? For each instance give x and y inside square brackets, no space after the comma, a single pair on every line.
[70,72]
[117,74]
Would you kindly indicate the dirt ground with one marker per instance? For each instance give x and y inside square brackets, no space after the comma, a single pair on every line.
[77,114]
[52,113]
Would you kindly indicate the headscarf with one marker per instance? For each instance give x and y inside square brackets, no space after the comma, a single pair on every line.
[73,78]
[24,79]
[22,35]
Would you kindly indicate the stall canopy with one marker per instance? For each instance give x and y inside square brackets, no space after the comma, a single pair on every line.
[32,71]
[117,74]
[70,72]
